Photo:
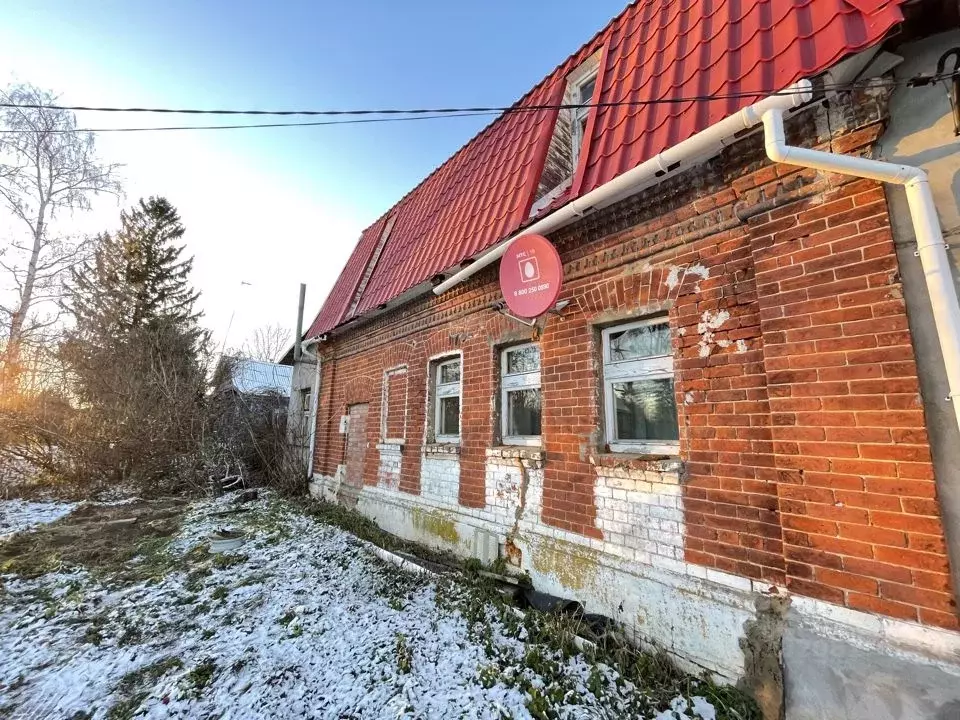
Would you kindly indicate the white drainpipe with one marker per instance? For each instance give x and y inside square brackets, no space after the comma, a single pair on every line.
[926,226]
[697,148]
[314,399]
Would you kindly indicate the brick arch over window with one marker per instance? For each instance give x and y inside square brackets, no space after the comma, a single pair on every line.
[448,339]
[649,289]
[397,354]
[358,390]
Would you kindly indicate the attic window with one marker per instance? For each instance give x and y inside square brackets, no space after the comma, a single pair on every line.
[569,133]
[583,95]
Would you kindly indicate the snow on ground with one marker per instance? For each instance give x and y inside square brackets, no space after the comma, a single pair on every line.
[19,515]
[304,621]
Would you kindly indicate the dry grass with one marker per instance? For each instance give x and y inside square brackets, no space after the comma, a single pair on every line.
[97,537]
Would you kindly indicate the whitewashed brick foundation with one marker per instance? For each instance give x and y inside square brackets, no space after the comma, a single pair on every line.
[440,477]
[388,473]
[507,471]
[641,512]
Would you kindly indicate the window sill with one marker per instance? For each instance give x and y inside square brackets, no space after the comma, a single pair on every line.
[391,446]
[645,462]
[442,450]
[517,452]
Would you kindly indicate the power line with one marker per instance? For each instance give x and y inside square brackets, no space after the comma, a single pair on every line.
[440,111]
[259,125]
[395,114]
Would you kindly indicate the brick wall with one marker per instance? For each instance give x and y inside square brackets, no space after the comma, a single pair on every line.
[803,456]
[395,412]
[856,490]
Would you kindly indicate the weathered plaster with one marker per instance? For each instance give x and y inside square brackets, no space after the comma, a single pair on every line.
[921,133]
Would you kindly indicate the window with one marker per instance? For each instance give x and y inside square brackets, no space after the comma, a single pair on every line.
[583,94]
[521,399]
[641,410]
[569,132]
[305,399]
[447,385]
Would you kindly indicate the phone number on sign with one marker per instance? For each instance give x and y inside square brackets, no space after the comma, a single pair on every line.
[531,290]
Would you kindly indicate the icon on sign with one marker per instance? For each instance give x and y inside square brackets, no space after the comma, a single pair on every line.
[529,270]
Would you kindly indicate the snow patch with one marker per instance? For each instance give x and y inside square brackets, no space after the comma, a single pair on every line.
[20,515]
[679,707]
[306,622]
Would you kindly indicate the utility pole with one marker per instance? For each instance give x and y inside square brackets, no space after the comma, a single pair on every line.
[297,349]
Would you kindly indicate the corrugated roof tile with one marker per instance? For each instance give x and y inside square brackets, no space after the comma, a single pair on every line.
[653,50]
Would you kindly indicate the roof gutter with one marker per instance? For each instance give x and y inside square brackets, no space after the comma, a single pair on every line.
[926,226]
[704,144]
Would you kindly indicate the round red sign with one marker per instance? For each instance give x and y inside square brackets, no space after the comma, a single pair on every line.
[530,275]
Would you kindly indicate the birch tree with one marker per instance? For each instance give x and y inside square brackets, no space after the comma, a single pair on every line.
[266,343]
[47,168]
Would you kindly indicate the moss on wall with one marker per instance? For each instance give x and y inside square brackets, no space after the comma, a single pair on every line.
[435,523]
[573,566]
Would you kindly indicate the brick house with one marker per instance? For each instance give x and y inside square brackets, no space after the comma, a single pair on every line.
[734,433]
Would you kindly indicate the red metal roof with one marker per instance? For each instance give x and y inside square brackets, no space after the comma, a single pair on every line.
[655,49]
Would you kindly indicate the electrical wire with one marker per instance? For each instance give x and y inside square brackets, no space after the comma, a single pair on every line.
[259,125]
[418,113]
[438,111]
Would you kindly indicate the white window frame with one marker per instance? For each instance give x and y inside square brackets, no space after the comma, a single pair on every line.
[655,367]
[517,381]
[579,113]
[385,407]
[442,390]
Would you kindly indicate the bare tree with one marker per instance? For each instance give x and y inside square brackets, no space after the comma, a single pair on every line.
[267,343]
[47,167]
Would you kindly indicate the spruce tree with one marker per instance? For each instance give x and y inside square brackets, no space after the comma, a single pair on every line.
[136,278]
[135,350]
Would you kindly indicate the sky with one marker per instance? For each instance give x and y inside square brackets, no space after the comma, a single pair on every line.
[267,209]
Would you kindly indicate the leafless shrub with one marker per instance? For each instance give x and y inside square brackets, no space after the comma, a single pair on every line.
[144,421]
[248,440]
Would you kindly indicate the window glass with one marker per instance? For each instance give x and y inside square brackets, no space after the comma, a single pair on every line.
[523,360]
[639,342]
[586,90]
[645,410]
[450,372]
[449,416]
[523,412]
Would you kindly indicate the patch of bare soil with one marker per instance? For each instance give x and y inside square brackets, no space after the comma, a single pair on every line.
[100,538]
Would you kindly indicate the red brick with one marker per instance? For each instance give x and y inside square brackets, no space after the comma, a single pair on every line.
[900,487]
[815,590]
[872,501]
[933,562]
[874,569]
[846,581]
[918,596]
[950,621]
[932,581]
[882,606]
